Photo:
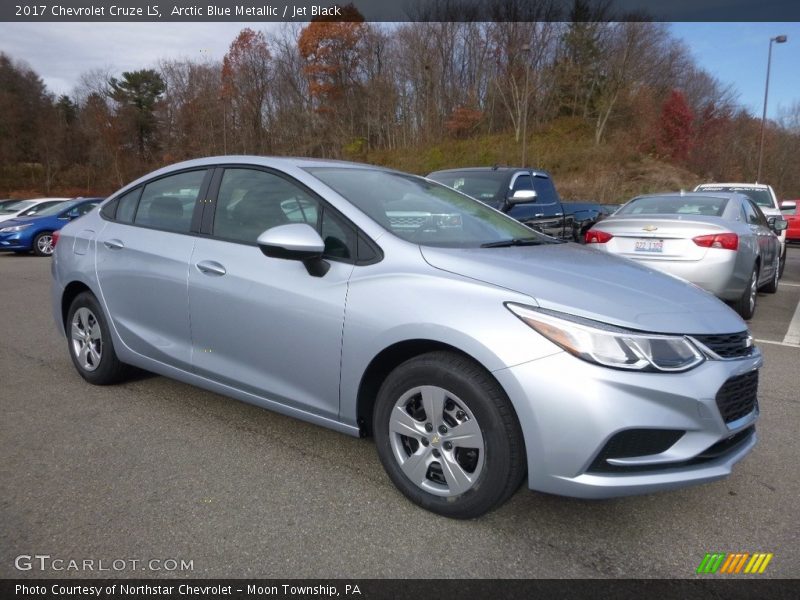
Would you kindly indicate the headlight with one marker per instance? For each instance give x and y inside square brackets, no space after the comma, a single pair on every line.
[608,345]
[15,228]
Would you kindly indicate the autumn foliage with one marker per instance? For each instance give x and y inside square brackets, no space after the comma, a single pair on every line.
[675,134]
[330,48]
[610,108]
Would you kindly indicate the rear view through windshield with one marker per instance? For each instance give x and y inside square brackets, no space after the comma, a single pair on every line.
[674,205]
[761,196]
[420,211]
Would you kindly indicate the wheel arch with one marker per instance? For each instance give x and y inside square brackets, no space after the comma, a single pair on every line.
[69,294]
[390,358]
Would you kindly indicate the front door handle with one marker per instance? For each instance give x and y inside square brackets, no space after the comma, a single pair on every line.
[114,244]
[210,267]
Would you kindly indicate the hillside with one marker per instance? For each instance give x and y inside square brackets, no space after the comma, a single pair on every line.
[608,173]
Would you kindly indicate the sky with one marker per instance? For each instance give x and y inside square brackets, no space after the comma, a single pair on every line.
[734,53]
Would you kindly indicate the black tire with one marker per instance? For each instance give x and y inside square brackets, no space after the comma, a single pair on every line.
[100,366]
[782,263]
[469,392]
[43,243]
[772,286]
[746,304]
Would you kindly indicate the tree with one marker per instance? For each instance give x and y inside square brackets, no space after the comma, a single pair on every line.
[246,74]
[137,94]
[333,53]
[675,127]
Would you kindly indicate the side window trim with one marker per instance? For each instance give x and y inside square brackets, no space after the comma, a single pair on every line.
[197,210]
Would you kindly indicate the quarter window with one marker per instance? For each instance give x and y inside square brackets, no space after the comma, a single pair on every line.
[168,203]
[126,206]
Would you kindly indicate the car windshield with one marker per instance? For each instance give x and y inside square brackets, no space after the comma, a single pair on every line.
[760,196]
[423,212]
[56,209]
[17,206]
[674,205]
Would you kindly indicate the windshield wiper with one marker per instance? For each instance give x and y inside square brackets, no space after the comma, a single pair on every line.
[513,242]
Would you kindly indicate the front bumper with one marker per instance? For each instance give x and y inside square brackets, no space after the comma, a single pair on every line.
[570,410]
[15,241]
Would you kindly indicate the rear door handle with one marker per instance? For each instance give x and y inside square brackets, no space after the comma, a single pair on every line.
[114,244]
[210,267]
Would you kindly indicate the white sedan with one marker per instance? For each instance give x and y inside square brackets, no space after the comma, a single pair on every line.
[27,208]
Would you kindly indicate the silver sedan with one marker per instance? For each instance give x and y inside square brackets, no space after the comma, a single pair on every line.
[721,242]
[477,352]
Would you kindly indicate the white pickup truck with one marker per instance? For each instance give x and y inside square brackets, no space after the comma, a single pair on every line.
[763,195]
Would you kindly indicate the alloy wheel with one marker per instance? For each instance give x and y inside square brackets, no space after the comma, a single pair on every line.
[87,339]
[753,290]
[44,244]
[437,441]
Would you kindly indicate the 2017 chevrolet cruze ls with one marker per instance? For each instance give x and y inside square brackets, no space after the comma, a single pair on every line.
[476,351]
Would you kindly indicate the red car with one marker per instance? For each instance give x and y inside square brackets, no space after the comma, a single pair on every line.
[791,213]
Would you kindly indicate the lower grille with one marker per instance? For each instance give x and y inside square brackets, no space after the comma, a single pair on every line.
[634,442]
[718,450]
[738,396]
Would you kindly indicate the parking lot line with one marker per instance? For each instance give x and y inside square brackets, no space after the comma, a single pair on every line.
[793,333]
[789,284]
[774,343]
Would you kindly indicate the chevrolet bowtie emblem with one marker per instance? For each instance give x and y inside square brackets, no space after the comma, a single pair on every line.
[649,228]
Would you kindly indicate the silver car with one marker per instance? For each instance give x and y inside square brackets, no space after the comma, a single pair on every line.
[476,352]
[720,242]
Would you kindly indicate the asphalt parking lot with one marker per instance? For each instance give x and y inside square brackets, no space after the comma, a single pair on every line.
[158,470]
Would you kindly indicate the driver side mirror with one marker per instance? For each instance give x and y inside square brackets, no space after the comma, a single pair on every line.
[296,241]
[522,197]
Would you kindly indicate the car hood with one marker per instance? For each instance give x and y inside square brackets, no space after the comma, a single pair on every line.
[18,221]
[573,279]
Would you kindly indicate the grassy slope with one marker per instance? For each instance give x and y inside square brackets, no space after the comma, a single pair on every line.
[611,172]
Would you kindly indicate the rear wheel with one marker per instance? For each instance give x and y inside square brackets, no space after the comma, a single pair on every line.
[746,305]
[447,435]
[43,244]
[90,346]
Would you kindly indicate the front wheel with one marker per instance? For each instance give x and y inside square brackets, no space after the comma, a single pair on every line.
[447,435]
[746,304]
[772,286]
[90,346]
[43,244]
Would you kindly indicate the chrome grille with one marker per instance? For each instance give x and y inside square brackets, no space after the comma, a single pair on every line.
[728,345]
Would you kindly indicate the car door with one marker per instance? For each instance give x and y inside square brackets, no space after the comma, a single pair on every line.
[768,242]
[142,262]
[264,325]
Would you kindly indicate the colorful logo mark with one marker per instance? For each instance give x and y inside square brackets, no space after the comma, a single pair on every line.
[733,563]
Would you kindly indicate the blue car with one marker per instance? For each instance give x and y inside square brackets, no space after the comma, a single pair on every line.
[23,234]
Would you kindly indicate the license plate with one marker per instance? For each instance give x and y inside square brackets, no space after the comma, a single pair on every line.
[654,246]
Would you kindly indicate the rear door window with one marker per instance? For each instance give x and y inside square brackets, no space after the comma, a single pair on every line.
[168,203]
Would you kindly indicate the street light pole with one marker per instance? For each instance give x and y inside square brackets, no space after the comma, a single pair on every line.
[526,48]
[780,39]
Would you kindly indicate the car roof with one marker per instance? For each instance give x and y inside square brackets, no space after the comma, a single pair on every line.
[762,186]
[492,170]
[727,195]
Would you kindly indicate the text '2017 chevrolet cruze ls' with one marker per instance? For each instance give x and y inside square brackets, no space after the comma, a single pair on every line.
[472,348]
